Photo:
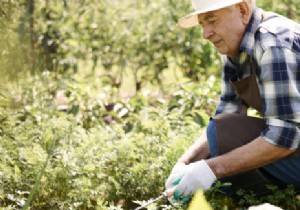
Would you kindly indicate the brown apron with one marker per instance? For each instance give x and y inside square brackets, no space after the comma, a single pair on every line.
[235,130]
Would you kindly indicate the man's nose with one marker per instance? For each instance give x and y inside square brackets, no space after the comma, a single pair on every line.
[207,32]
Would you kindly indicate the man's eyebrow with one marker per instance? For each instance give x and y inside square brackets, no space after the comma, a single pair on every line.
[209,15]
[206,17]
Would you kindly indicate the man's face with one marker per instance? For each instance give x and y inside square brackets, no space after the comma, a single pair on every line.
[224,28]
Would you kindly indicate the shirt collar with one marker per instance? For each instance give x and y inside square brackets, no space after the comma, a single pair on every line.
[249,36]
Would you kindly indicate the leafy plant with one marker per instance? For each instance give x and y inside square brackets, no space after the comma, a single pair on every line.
[284,198]
[54,156]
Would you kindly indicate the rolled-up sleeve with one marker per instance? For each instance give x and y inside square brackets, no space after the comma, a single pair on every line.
[279,87]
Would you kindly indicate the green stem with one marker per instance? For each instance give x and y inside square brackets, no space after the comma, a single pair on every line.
[36,184]
[39,177]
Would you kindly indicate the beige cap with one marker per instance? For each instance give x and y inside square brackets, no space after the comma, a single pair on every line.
[203,6]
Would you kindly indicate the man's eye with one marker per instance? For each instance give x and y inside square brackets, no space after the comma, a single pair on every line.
[211,21]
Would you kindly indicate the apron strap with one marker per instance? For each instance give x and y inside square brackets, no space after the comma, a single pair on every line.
[247,89]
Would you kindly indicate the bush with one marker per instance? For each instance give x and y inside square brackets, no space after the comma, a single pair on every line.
[56,158]
[53,157]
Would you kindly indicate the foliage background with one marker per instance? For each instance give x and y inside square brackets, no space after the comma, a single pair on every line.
[99,98]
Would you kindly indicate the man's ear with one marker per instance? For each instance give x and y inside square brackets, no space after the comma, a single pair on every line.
[245,11]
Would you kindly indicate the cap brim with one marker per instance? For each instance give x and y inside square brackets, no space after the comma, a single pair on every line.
[189,21]
[192,19]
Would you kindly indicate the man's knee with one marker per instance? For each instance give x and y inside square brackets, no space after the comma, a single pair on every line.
[212,139]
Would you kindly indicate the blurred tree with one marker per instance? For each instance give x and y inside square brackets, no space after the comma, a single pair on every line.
[30,4]
[140,37]
[288,8]
[12,55]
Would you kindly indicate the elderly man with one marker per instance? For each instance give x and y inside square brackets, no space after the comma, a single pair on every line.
[261,70]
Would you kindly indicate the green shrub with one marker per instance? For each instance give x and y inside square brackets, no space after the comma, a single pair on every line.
[53,157]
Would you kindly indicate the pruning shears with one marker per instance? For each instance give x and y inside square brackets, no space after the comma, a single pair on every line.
[168,194]
[165,194]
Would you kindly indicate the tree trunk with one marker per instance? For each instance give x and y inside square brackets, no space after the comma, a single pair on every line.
[30,12]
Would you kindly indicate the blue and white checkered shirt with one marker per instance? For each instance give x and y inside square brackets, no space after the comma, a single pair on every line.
[273,43]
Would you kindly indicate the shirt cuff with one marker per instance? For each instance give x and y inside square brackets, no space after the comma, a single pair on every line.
[281,133]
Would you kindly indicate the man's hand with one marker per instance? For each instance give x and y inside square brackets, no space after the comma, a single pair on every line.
[178,171]
[198,175]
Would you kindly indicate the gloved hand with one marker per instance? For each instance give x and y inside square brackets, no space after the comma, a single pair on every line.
[178,171]
[198,175]
[175,198]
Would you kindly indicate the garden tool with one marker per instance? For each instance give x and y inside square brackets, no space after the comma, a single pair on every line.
[168,194]
[165,194]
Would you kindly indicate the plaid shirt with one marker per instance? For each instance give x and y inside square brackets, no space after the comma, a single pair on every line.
[273,43]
